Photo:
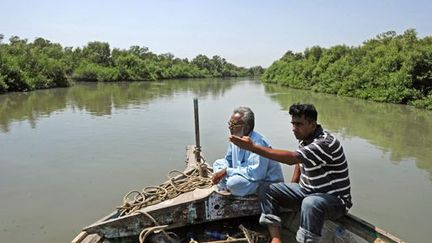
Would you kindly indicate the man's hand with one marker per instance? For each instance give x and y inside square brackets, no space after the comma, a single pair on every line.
[243,142]
[218,176]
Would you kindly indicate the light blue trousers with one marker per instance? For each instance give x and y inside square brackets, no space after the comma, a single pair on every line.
[238,185]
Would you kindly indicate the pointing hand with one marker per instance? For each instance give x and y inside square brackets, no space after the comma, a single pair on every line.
[244,142]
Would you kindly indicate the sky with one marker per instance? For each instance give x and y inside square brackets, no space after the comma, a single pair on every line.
[244,32]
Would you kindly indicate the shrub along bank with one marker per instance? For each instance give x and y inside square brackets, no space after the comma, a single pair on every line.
[389,68]
[41,64]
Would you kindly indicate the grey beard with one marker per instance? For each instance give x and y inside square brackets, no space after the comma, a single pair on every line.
[239,133]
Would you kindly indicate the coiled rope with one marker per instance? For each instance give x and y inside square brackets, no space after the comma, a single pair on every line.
[149,230]
[178,183]
[249,236]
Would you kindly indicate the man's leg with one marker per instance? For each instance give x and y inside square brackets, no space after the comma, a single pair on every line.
[222,184]
[274,196]
[240,186]
[315,208]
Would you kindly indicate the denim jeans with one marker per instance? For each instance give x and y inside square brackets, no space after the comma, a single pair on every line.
[314,208]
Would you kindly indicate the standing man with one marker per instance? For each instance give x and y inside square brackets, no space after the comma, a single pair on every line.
[240,171]
[320,187]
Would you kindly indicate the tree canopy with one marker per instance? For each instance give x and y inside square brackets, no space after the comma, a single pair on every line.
[388,68]
[40,64]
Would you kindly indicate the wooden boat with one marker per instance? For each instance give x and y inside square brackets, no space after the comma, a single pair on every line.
[204,215]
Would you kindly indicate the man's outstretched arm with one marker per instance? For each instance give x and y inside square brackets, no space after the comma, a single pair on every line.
[283,156]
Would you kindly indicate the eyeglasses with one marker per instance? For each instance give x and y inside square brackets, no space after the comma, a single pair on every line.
[232,125]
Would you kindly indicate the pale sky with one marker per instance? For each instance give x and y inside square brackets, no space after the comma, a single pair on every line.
[246,33]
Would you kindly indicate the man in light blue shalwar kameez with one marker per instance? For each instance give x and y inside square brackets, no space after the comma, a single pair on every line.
[241,172]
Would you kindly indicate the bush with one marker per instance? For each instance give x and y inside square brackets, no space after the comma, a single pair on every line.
[389,68]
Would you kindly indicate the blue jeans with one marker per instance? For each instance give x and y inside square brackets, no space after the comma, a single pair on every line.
[314,208]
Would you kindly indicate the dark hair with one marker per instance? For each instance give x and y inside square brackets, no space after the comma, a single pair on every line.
[247,116]
[308,110]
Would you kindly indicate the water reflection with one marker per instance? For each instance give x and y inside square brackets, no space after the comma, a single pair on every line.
[99,99]
[30,106]
[402,132]
[88,151]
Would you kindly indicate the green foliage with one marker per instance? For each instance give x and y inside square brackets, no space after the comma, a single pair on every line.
[98,53]
[40,64]
[27,66]
[255,71]
[389,68]
[3,85]
[425,102]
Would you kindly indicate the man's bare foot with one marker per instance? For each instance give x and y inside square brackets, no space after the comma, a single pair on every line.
[276,240]
[224,192]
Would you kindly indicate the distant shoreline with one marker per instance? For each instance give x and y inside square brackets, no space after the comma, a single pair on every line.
[41,64]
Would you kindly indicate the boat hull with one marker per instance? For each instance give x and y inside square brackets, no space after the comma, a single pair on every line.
[195,213]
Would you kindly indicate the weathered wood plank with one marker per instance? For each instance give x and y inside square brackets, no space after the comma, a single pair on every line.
[92,238]
[81,236]
[191,160]
[366,230]
[348,229]
[206,209]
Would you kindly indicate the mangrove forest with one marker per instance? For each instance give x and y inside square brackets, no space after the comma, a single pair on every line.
[41,64]
[388,68]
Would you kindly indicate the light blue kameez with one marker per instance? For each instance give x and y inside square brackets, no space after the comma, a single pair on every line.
[246,170]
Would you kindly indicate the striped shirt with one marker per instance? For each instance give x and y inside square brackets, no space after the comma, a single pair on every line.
[324,168]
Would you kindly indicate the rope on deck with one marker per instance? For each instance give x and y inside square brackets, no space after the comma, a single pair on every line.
[178,182]
[149,230]
[249,236]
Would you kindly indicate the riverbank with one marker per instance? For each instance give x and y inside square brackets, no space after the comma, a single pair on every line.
[389,68]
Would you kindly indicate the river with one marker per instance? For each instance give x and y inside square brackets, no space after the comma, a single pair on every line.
[68,155]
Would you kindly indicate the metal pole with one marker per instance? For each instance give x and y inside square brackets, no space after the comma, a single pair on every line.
[197,135]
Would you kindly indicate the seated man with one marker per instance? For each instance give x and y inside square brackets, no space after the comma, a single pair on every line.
[320,187]
[241,171]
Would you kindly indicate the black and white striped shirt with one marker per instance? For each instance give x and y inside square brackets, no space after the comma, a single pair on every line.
[324,168]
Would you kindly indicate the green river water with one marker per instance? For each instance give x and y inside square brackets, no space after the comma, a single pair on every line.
[67,156]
